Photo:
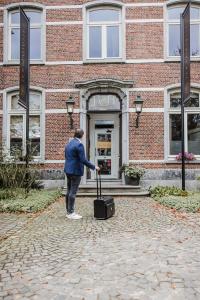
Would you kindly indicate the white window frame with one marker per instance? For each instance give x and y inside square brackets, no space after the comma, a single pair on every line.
[7,31]
[175,110]
[115,5]
[8,112]
[169,5]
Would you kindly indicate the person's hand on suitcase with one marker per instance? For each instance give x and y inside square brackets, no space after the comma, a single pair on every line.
[97,168]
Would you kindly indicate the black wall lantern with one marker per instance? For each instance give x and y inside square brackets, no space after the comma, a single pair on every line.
[70,109]
[138,108]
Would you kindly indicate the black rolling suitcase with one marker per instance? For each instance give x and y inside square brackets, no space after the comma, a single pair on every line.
[104,206]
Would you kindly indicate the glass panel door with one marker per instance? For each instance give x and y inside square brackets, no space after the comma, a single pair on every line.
[103,151]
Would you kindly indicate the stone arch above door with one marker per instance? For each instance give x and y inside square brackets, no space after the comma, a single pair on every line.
[104,86]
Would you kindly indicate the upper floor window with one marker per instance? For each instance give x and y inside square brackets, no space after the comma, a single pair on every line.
[174,30]
[192,123]
[104,33]
[35,16]
[16,124]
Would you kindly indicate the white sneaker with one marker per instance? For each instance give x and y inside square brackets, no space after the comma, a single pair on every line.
[73,216]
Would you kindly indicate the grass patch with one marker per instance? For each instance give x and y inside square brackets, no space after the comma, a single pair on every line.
[16,200]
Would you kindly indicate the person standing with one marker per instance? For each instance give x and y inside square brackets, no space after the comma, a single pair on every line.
[74,168]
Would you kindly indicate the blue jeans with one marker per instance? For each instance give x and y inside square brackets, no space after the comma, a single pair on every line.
[72,188]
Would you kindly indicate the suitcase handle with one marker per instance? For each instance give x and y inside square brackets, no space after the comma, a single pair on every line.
[98,180]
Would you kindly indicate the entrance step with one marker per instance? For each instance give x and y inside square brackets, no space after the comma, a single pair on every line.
[111,190]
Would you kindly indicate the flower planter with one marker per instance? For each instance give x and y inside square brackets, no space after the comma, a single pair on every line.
[132,181]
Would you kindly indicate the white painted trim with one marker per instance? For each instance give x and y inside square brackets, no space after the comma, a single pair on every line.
[49,7]
[1,24]
[1,63]
[63,23]
[1,112]
[27,4]
[144,61]
[1,8]
[144,4]
[148,161]
[149,89]
[144,21]
[51,161]
[52,63]
[128,61]
[61,90]
[149,109]
[60,111]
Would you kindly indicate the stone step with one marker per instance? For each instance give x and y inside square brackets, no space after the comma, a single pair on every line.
[141,193]
[109,188]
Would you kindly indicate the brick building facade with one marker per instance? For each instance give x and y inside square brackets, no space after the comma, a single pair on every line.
[103,54]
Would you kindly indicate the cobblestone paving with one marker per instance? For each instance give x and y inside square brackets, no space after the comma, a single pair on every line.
[144,252]
[10,223]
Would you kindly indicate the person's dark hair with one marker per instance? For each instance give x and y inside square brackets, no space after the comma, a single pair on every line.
[78,133]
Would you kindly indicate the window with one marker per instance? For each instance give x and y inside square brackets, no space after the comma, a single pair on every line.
[35,34]
[16,133]
[104,33]
[174,31]
[192,123]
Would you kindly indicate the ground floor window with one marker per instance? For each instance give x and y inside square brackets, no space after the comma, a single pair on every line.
[16,125]
[192,123]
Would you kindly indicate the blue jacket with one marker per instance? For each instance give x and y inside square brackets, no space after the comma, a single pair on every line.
[75,158]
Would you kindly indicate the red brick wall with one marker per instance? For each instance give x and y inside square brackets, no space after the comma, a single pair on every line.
[57,100]
[64,42]
[151,99]
[147,141]
[1,101]
[64,15]
[57,132]
[144,12]
[141,43]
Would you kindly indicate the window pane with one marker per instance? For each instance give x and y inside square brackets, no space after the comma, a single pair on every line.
[175,100]
[35,101]
[95,42]
[14,102]
[174,40]
[34,135]
[194,13]
[112,41]
[194,40]
[15,18]
[35,17]
[16,133]
[35,42]
[175,134]
[105,166]
[174,13]
[194,101]
[15,40]
[103,15]
[194,133]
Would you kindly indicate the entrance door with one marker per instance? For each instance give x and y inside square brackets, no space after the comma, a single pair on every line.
[104,144]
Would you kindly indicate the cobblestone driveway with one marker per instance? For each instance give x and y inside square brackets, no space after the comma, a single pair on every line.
[144,252]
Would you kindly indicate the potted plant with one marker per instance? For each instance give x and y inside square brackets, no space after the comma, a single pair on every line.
[132,174]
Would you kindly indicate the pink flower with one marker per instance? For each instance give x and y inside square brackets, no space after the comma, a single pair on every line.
[187,155]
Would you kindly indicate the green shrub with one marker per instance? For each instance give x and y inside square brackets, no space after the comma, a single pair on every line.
[161,191]
[15,174]
[35,201]
[190,203]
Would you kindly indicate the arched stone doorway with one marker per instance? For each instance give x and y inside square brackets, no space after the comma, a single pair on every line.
[104,116]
